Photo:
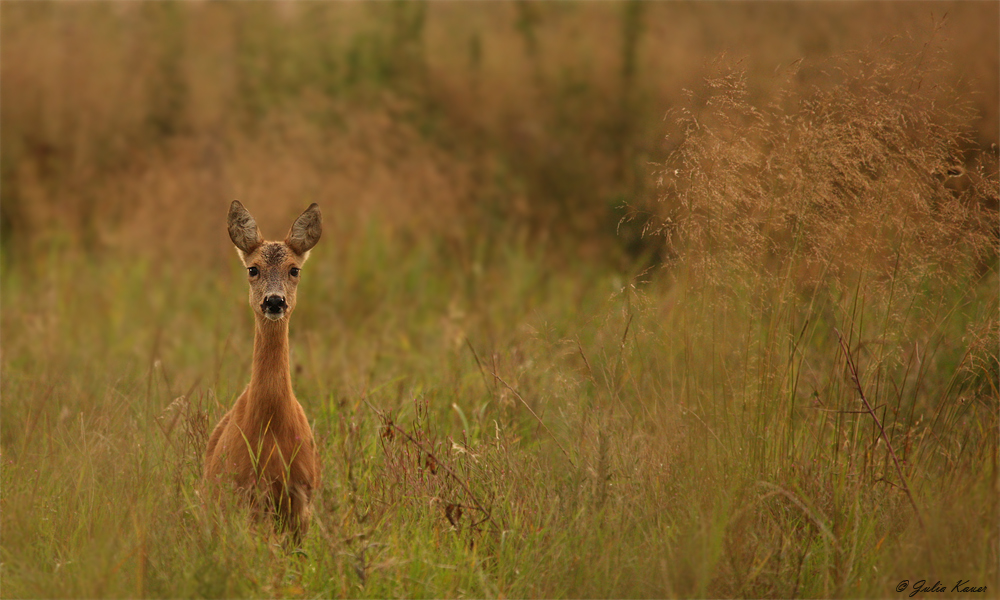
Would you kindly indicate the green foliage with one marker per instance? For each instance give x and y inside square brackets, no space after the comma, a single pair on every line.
[673,441]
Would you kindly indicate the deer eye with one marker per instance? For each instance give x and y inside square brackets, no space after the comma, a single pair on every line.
[294,271]
[254,271]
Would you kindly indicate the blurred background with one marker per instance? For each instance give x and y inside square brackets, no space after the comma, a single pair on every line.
[129,127]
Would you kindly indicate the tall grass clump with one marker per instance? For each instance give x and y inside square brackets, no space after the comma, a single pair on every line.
[837,293]
[831,179]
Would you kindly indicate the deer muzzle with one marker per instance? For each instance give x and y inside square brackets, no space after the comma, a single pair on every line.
[274,306]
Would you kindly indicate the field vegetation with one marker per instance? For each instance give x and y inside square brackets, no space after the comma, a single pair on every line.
[613,299]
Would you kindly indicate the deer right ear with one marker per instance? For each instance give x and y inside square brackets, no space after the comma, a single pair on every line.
[243,229]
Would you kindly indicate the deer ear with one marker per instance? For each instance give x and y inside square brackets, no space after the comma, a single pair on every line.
[305,230]
[243,229]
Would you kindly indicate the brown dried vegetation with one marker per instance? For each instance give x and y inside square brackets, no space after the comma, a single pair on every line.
[847,174]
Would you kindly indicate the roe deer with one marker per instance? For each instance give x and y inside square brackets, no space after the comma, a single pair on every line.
[264,445]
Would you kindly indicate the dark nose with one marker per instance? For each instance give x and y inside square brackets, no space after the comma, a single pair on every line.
[274,304]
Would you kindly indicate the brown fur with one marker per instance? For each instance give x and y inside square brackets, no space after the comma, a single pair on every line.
[264,445]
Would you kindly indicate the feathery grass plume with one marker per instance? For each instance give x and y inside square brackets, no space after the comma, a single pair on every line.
[839,171]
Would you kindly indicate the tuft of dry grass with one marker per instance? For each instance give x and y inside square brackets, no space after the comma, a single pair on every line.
[845,174]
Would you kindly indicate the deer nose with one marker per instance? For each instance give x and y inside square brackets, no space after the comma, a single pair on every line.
[274,304]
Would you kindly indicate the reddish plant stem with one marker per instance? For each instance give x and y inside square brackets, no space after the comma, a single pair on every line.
[853,368]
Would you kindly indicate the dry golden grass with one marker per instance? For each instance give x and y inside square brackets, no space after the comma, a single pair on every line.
[850,173]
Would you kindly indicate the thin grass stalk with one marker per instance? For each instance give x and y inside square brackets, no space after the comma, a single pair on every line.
[537,418]
[437,461]
[855,377]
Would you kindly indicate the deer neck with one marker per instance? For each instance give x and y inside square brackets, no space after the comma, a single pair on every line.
[270,377]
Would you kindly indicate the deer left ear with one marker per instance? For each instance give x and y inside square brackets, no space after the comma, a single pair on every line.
[305,230]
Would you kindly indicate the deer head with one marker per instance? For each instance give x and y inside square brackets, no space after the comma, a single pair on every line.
[273,268]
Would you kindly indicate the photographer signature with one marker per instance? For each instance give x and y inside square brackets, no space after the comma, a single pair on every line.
[921,586]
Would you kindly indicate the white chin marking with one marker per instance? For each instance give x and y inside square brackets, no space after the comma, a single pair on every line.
[274,316]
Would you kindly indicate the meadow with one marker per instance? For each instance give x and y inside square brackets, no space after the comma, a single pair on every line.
[612,300]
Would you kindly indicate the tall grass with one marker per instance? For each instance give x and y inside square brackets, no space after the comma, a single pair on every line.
[499,414]
[679,441]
